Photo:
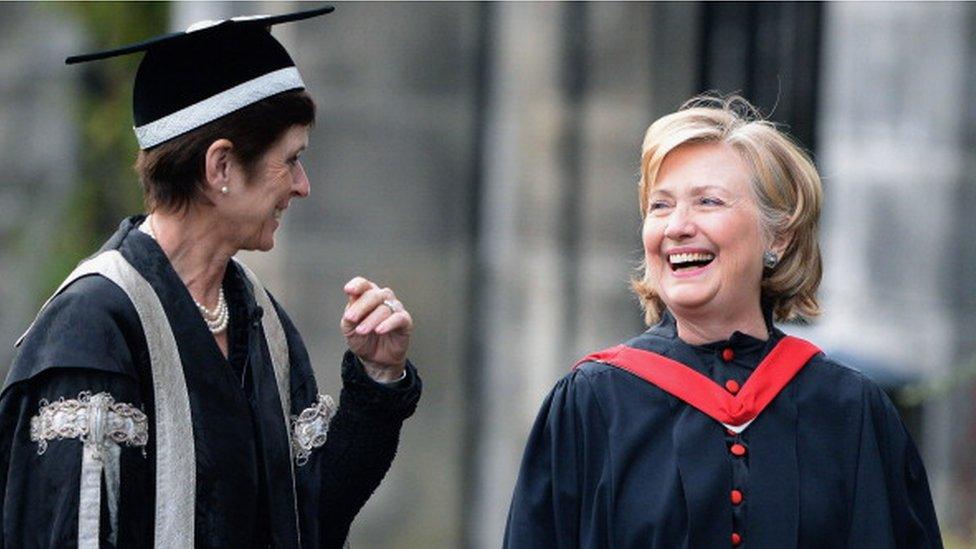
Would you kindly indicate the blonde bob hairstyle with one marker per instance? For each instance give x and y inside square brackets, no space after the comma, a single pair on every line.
[785,184]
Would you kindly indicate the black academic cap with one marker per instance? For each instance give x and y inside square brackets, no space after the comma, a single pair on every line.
[187,79]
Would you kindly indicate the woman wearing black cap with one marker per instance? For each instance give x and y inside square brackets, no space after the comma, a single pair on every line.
[162,397]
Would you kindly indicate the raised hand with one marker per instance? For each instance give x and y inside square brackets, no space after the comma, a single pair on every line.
[377,329]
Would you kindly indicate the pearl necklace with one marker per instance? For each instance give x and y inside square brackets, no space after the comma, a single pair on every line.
[216,319]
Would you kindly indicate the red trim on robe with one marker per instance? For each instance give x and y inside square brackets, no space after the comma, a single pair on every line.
[775,371]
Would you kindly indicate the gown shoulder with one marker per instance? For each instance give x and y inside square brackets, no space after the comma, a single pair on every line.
[90,325]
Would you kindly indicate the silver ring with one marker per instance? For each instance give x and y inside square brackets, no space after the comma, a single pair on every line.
[391,304]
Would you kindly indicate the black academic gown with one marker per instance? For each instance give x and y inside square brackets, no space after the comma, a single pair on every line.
[613,461]
[90,338]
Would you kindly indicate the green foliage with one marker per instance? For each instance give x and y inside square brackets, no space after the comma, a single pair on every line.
[106,188]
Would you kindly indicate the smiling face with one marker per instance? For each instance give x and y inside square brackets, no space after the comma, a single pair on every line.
[703,242]
[253,207]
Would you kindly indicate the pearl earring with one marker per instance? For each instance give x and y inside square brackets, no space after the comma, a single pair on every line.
[224,190]
[770,259]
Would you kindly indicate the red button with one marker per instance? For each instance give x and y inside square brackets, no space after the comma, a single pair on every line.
[728,354]
[736,539]
[736,497]
[732,386]
[738,450]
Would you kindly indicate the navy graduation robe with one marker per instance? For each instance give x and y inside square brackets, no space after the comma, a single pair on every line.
[613,461]
[90,339]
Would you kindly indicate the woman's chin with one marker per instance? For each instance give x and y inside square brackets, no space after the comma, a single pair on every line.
[689,299]
[260,243]
[266,238]
[266,243]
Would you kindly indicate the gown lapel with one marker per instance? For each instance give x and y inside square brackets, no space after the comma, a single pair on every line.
[233,430]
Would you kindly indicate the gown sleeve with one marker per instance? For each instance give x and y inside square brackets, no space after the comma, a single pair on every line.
[561,496]
[75,352]
[340,475]
[362,443]
[892,502]
[40,480]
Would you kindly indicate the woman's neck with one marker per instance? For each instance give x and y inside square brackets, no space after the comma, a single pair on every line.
[697,330]
[192,241]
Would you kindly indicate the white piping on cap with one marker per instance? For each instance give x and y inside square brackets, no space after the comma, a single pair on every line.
[213,107]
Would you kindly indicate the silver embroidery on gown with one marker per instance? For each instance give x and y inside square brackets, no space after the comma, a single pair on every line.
[96,420]
[310,428]
[103,426]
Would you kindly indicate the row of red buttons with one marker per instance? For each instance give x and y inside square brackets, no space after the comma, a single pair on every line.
[731,385]
[737,449]
[736,497]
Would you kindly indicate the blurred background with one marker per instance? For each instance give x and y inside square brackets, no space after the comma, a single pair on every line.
[482,158]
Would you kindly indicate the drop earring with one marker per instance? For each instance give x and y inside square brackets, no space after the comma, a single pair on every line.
[770,259]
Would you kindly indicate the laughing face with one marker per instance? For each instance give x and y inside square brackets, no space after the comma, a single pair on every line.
[702,237]
[256,206]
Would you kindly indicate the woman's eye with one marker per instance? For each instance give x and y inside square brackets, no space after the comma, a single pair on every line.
[657,205]
[710,201]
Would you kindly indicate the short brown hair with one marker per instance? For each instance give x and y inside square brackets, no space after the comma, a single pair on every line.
[785,184]
[173,172]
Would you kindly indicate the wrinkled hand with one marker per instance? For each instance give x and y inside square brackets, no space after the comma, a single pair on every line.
[377,329]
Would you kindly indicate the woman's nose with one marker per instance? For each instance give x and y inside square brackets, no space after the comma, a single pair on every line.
[680,225]
[301,186]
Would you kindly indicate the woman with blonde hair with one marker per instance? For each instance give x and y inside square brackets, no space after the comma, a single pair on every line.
[714,428]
